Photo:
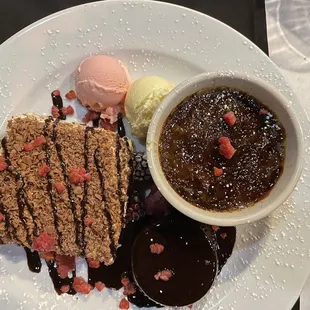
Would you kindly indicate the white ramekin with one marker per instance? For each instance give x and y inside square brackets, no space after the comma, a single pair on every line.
[270,97]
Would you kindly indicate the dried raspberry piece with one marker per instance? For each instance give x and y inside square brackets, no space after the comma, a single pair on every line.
[129,289]
[163,275]
[223,236]
[81,286]
[217,171]
[230,118]
[156,248]
[29,147]
[107,125]
[99,286]
[125,281]
[55,112]
[88,221]
[44,170]
[65,289]
[92,263]
[2,218]
[79,175]
[263,112]
[65,264]
[224,140]
[215,228]
[227,150]
[60,187]
[71,95]
[124,304]
[48,256]
[39,141]
[91,116]
[56,92]
[43,243]
[190,306]
[3,164]
[67,110]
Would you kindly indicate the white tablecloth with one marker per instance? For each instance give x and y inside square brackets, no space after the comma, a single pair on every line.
[288,24]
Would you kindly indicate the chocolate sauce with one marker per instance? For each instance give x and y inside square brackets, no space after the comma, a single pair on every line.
[118,165]
[106,207]
[7,220]
[58,281]
[58,103]
[120,126]
[96,123]
[50,183]
[68,184]
[33,260]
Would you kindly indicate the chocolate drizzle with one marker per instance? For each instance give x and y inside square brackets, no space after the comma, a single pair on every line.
[120,126]
[119,171]
[50,183]
[58,103]
[68,184]
[33,260]
[106,209]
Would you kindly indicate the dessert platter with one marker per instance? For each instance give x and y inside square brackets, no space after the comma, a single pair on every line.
[142,166]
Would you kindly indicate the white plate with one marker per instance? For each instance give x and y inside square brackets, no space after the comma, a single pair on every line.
[271,261]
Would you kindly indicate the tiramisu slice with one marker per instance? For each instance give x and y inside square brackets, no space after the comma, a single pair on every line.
[65,187]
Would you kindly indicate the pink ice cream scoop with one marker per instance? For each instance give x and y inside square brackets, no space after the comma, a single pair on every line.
[101,82]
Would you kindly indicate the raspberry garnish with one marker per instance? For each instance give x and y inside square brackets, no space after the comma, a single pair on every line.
[43,243]
[48,256]
[3,164]
[99,286]
[71,95]
[124,304]
[156,248]
[68,110]
[92,263]
[44,170]
[217,171]
[81,286]
[79,175]
[107,125]
[215,228]
[56,92]
[39,141]
[65,289]
[88,221]
[223,236]
[29,147]
[59,187]
[225,148]
[163,275]
[2,218]
[65,264]
[129,289]
[90,116]
[230,118]
[263,112]
[55,112]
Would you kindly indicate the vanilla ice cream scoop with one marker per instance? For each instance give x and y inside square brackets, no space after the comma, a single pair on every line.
[142,99]
[101,82]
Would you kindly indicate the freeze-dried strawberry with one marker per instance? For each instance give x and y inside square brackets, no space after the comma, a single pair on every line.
[99,286]
[44,170]
[29,147]
[217,171]
[129,289]
[79,175]
[224,140]
[71,95]
[65,264]
[60,187]
[223,236]
[107,125]
[39,141]
[81,286]
[263,112]
[91,116]
[227,150]
[92,263]
[3,164]
[88,221]
[125,281]
[2,218]
[124,304]
[56,92]
[163,275]
[156,248]
[230,118]
[87,177]
[215,228]
[43,243]
[55,112]
[67,110]
[48,256]
[65,289]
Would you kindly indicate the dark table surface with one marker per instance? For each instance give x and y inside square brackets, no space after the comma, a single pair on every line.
[246,16]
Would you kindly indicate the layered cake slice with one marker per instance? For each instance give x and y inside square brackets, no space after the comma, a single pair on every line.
[65,187]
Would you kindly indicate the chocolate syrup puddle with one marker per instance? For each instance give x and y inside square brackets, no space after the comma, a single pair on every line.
[106,207]
[68,184]
[84,200]
[33,260]
[58,281]
[58,103]
[50,183]
[21,197]
[120,126]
